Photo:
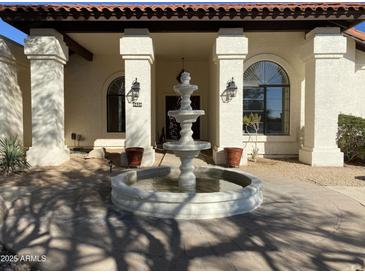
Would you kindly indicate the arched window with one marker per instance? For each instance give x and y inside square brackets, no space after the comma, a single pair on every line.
[266,92]
[116,105]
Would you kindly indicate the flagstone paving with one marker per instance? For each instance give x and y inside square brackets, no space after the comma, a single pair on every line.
[65,213]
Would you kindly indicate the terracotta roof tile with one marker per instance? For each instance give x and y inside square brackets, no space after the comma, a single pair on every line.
[358,35]
[351,10]
[226,6]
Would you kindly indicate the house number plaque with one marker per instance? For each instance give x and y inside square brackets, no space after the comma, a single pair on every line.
[137,104]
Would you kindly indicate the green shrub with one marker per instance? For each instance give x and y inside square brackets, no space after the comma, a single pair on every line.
[351,136]
[12,156]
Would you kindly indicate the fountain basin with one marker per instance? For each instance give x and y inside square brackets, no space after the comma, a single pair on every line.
[244,197]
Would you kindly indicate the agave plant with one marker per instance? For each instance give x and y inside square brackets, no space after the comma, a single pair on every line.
[12,156]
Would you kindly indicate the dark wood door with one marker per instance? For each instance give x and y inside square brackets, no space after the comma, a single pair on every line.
[172,127]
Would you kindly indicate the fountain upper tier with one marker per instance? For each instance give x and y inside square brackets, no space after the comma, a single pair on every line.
[186,116]
[185,90]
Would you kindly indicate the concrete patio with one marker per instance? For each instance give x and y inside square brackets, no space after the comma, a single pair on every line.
[66,214]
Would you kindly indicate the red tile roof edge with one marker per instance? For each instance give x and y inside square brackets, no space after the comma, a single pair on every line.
[155,6]
[358,35]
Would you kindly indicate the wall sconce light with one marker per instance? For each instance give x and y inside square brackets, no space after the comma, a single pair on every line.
[229,92]
[231,88]
[133,94]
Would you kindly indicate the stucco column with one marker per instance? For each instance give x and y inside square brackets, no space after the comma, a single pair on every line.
[322,54]
[230,51]
[48,54]
[11,101]
[136,49]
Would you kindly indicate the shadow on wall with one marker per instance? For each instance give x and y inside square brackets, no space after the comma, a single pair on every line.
[136,136]
[11,107]
[47,103]
[72,221]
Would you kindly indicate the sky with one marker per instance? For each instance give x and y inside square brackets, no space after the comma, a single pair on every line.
[18,36]
[12,33]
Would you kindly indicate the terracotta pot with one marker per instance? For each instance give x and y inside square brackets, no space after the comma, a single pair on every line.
[233,156]
[134,156]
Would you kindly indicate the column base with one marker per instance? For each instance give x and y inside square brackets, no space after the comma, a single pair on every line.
[219,156]
[47,156]
[321,157]
[148,158]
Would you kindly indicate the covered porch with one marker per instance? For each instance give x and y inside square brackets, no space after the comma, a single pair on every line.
[82,99]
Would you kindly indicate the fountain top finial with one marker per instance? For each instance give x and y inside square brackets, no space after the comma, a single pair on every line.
[185,78]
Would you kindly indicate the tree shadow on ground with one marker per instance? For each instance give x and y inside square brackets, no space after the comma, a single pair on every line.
[67,215]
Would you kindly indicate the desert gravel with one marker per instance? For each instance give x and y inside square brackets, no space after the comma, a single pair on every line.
[349,175]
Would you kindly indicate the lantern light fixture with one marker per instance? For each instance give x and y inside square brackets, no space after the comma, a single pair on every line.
[135,90]
[133,94]
[231,88]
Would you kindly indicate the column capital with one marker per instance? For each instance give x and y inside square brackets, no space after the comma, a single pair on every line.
[136,44]
[330,31]
[231,43]
[5,53]
[324,43]
[46,44]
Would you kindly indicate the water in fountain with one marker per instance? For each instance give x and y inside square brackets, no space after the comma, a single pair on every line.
[186,148]
[170,184]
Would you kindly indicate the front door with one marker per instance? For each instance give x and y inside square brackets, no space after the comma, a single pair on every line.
[172,127]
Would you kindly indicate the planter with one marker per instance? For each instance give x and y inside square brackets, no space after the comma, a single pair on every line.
[134,156]
[233,155]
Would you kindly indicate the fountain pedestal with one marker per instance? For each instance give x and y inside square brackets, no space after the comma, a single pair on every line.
[186,148]
[187,178]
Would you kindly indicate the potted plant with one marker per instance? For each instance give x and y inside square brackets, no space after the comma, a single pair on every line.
[233,155]
[134,156]
[252,122]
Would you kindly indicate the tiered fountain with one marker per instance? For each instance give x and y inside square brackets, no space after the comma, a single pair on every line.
[186,148]
[186,193]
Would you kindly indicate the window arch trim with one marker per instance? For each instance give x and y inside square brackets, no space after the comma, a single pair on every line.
[267,83]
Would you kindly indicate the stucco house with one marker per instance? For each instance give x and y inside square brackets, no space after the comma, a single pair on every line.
[105,73]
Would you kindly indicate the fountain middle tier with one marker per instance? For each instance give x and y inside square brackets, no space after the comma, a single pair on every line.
[187,116]
[186,143]
[195,146]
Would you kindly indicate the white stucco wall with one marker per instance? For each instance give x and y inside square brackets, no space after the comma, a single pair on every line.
[352,82]
[48,54]
[213,103]
[359,87]
[86,85]
[23,80]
